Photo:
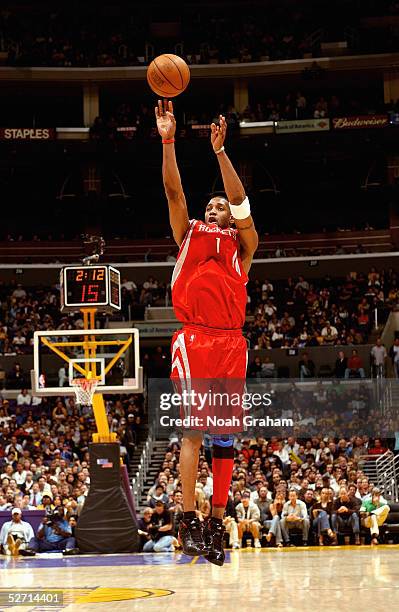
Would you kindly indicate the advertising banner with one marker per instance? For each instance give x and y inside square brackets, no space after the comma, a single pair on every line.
[27,133]
[302,125]
[360,122]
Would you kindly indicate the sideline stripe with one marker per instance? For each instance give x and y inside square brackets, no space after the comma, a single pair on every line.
[193,560]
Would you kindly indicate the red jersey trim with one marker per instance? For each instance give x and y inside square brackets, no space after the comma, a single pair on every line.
[182,253]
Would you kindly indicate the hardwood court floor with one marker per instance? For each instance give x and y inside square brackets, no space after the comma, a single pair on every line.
[331,579]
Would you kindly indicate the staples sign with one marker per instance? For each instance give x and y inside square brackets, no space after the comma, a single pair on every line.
[27,134]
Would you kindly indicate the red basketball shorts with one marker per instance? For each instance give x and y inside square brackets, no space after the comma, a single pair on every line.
[210,366]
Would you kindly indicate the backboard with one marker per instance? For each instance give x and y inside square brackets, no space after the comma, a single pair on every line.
[110,355]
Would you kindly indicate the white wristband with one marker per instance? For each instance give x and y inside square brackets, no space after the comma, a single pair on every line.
[219,151]
[242,211]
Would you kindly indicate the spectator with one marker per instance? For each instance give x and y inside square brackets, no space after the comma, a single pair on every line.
[61,376]
[394,355]
[268,368]
[231,526]
[363,489]
[294,516]
[374,513]
[23,398]
[355,366]
[19,292]
[377,448]
[160,530]
[35,498]
[345,514]
[159,495]
[272,520]
[16,377]
[248,516]
[255,368]
[176,508]
[60,413]
[15,534]
[263,503]
[143,524]
[329,333]
[4,504]
[308,498]
[129,285]
[378,358]
[341,365]
[282,454]
[321,513]
[306,367]
[20,476]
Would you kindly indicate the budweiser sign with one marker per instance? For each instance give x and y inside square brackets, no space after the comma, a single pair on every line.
[360,122]
[27,134]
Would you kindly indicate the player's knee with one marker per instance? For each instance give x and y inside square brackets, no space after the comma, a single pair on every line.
[192,440]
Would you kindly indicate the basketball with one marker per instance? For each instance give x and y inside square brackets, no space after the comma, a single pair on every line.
[168,75]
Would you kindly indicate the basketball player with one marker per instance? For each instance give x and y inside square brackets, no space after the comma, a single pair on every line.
[209,297]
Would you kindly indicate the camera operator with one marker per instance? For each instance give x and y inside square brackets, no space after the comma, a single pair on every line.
[160,530]
[54,534]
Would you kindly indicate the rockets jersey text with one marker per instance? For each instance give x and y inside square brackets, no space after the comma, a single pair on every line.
[209,282]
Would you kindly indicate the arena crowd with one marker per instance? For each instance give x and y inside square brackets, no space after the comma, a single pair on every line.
[290,313]
[44,460]
[284,492]
[124,35]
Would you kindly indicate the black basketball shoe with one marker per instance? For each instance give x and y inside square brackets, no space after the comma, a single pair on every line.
[192,538]
[213,537]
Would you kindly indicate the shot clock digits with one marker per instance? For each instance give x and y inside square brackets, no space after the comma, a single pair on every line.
[86,286]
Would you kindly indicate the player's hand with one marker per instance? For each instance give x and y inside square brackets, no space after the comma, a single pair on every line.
[218,133]
[166,122]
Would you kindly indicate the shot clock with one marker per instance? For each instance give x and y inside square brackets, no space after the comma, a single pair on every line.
[90,286]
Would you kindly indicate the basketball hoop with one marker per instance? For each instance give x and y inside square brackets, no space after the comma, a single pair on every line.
[84,390]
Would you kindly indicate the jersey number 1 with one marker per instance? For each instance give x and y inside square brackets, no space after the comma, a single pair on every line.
[217,245]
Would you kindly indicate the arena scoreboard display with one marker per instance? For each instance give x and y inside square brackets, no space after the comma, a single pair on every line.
[90,287]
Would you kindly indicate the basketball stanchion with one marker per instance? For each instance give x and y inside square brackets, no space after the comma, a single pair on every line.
[99,361]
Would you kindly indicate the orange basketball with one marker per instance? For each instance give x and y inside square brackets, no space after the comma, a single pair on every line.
[168,75]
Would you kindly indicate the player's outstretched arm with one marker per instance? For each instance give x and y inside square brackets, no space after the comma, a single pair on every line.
[178,214]
[235,192]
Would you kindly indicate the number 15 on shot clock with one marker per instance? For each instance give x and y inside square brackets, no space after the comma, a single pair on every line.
[90,286]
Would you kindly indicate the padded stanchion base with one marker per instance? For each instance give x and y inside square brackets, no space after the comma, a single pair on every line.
[107,523]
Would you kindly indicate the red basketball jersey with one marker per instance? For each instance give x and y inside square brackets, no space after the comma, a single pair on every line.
[208,282]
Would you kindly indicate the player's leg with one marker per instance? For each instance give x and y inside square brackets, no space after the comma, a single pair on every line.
[229,351]
[222,469]
[189,456]
[191,531]
[187,364]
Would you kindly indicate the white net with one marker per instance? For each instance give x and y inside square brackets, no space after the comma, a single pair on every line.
[84,390]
